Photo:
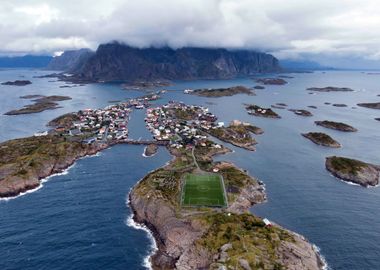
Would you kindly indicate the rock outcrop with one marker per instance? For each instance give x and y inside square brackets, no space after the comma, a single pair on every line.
[17,83]
[321,139]
[223,92]
[330,89]
[374,105]
[354,171]
[336,126]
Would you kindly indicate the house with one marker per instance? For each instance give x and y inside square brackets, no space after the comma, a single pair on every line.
[74,132]
[40,133]
[89,140]
[267,222]
[220,124]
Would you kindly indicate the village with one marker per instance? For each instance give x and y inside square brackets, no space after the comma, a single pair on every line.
[101,125]
[181,124]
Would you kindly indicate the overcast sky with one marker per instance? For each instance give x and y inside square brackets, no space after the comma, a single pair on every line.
[317,29]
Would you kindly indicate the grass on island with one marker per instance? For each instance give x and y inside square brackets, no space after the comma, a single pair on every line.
[203,190]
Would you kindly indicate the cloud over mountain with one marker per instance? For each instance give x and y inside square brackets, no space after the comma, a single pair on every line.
[285,28]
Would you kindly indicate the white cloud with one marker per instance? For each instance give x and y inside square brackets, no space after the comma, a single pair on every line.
[285,28]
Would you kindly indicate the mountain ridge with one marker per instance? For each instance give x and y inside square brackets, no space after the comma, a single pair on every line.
[119,62]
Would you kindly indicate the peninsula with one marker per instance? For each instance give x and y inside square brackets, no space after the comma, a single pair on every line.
[194,228]
[354,171]
[321,139]
[336,126]
[221,92]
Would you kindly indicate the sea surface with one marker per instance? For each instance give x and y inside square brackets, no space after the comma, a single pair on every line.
[81,220]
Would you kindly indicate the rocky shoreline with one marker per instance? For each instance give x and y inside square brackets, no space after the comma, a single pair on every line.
[17,83]
[336,126]
[323,139]
[374,105]
[20,172]
[354,171]
[41,103]
[222,92]
[182,234]
[150,150]
[330,89]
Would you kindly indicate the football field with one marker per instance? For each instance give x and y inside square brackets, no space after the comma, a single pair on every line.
[203,190]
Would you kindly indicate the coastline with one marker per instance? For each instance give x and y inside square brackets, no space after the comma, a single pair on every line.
[61,171]
[161,256]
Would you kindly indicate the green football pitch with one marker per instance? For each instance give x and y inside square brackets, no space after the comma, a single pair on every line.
[203,190]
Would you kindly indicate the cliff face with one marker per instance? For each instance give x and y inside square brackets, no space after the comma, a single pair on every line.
[70,61]
[120,62]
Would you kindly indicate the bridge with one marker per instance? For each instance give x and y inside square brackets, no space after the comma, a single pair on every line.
[144,142]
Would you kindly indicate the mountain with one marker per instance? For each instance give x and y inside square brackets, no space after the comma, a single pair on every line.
[70,61]
[115,61]
[27,61]
[302,65]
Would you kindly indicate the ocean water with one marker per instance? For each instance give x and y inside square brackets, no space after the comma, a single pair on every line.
[78,220]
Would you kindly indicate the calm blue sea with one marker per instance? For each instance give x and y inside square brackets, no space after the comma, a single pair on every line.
[79,220]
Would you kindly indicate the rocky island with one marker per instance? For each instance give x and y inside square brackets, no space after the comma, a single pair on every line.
[354,171]
[321,139]
[301,112]
[237,133]
[281,106]
[150,150]
[222,92]
[272,81]
[339,105]
[261,112]
[17,83]
[144,85]
[374,105]
[330,89]
[336,126]
[42,103]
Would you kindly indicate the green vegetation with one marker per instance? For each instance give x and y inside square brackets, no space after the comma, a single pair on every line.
[239,135]
[203,190]
[162,183]
[223,92]
[347,165]
[336,125]
[32,153]
[65,120]
[40,104]
[259,111]
[250,239]
[321,139]
[189,114]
